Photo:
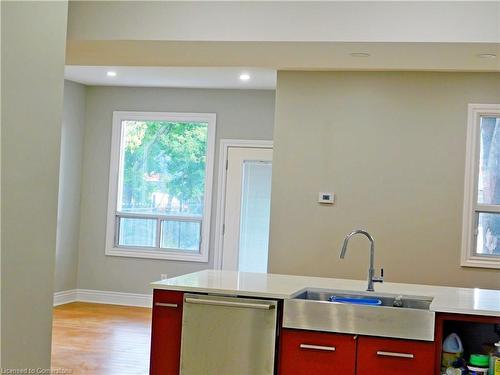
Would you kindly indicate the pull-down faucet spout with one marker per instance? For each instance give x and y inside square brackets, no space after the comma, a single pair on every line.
[371,271]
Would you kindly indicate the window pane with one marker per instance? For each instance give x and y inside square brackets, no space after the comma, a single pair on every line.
[181,235]
[137,232]
[488,234]
[489,161]
[255,212]
[163,167]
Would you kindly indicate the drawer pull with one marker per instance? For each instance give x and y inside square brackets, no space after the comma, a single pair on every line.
[161,304]
[398,355]
[317,347]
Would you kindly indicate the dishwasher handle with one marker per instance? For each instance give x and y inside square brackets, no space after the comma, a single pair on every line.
[214,302]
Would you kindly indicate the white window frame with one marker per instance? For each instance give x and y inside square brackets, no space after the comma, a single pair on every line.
[470,207]
[116,158]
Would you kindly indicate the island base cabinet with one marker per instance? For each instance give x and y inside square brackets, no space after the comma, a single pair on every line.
[166,333]
[394,357]
[316,353]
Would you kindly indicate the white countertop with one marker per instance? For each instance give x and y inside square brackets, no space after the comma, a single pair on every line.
[445,299]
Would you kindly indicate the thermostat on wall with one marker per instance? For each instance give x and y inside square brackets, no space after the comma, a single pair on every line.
[327,198]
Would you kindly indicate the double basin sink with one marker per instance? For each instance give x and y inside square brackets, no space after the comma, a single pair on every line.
[398,316]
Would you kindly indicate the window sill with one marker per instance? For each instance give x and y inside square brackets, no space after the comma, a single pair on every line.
[480,262]
[156,254]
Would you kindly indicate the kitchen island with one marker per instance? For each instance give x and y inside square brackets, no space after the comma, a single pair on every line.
[385,337]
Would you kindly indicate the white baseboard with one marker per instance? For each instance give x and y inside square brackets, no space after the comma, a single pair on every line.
[66,296]
[105,297]
[115,298]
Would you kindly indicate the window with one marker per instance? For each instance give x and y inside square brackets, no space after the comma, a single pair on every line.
[481,221]
[160,185]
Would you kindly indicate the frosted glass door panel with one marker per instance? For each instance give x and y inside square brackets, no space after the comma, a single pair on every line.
[246,210]
[255,211]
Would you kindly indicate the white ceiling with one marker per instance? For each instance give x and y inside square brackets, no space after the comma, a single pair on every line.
[189,77]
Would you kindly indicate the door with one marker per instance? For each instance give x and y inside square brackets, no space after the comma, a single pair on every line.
[315,353]
[247,209]
[394,356]
[166,332]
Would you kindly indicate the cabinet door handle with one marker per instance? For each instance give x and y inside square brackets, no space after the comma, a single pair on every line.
[317,347]
[161,304]
[394,354]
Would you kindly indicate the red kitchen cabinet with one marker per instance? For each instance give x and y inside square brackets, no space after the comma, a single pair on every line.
[166,333]
[316,353]
[394,357]
[476,323]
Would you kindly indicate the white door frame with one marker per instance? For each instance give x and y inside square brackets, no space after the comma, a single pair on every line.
[221,189]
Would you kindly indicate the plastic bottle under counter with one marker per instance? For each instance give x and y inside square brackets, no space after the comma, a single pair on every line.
[495,361]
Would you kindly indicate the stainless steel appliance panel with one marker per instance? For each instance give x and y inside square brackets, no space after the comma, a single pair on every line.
[228,336]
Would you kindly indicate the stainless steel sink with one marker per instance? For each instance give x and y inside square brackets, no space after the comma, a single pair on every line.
[403,316]
[407,302]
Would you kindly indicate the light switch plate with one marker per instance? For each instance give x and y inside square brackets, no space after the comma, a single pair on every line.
[326,198]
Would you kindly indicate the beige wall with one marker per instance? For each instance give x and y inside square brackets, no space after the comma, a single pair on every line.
[300,35]
[70,179]
[33,46]
[391,145]
[243,114]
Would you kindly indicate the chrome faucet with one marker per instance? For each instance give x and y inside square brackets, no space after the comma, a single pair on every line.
[371,271]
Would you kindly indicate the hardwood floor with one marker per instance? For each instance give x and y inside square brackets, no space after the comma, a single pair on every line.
[98,339]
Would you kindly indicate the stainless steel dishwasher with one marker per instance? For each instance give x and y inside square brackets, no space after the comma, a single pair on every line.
[228,336]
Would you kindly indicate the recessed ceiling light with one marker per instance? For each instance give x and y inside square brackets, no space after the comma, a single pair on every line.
[111,74]
[244,76]
[486,55]
[360,54]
